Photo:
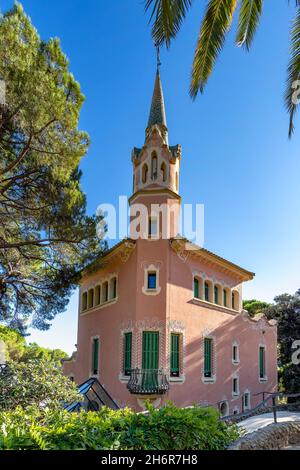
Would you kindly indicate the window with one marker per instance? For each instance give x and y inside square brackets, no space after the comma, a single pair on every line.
[196,288]
[163,172]
[235,354]
[174,355]
[144,173]
[105,292]
[216,294]
[95,356]
[224,409]
[91,298]
[206,291]
[97,295]
[235,300]
[207,357]
[150,352]
[154,167]
[127,353]
[152,227]
[113,288]
[235,386]
[225,297]
[84,301]
[262,362]
[151,281]
[246,401]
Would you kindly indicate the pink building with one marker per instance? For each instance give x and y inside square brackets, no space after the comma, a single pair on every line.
[162,319]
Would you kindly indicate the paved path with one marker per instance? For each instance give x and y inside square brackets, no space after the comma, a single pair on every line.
[257,422]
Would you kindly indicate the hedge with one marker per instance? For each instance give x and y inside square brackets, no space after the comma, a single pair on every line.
[169,428]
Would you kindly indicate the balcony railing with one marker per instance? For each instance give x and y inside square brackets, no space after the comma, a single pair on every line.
[148,382]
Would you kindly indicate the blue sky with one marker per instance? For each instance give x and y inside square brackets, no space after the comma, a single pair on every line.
[237,159]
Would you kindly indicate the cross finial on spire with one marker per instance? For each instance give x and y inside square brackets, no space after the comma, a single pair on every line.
[158,62]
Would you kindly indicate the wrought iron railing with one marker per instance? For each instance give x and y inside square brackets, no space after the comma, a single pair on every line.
[148,382]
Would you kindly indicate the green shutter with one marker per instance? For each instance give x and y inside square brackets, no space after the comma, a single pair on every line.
[150,350]
[207,357]
[206,291]
[174,359]
[262,362]
[225,297]
[216,295]
[196,288]
[127,353]
[95,359]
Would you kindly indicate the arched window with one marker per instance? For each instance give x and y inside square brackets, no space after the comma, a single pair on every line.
[206,291]
[97,295]
[113,288]
[235,300]
[145,173]
[154,167]
[216,294]
[105,291]
[91,298]
[84,301]
[196,288]
[225,299]
[163,170]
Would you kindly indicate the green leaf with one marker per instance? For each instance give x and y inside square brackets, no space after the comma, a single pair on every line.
[249,16]
[168,16]
[216,23]
[293,72]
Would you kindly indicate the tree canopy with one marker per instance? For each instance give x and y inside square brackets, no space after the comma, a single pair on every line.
[286,310]
[46,238]
[255,307]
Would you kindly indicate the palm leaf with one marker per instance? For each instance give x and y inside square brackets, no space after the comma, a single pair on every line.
[167,17]
[215,25]
[292,93]
[249,17]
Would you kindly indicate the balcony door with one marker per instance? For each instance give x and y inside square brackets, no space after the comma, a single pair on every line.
[150,358]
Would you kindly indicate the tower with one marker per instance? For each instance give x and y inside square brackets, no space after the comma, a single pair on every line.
[156,173]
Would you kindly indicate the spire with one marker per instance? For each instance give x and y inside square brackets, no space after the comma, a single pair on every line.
[157,112]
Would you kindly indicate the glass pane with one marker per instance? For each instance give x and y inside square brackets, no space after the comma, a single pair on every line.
[151,280]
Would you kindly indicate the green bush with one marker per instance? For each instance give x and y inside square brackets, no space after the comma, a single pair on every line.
[168,428]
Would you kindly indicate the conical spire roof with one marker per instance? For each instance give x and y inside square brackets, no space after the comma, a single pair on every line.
[157,112]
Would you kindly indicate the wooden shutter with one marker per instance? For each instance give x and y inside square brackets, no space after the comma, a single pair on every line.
[95,358]
[127,353]
[150,350]
[262,362]
[175,345]
[196,288]
[207,357]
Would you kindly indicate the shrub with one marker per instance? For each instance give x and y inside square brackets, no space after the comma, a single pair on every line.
[168,428]
[35,382]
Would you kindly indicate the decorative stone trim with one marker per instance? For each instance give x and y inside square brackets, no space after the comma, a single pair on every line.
[236,361]
[155,268]
[237,392]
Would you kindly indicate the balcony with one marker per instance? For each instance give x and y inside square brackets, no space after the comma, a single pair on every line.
[148,382]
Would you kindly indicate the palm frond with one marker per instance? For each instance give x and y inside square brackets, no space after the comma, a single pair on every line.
[167,17]
[292,93]
[216,23]
[249,17]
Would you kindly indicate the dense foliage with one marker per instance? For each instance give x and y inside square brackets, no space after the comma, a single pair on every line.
[35,382]
[286,310]
[255,307]
[46,238]
[168,428]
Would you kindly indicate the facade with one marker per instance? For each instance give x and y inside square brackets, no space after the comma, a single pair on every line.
[160,318]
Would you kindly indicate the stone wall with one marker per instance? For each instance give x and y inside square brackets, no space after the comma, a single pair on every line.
[272,437]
